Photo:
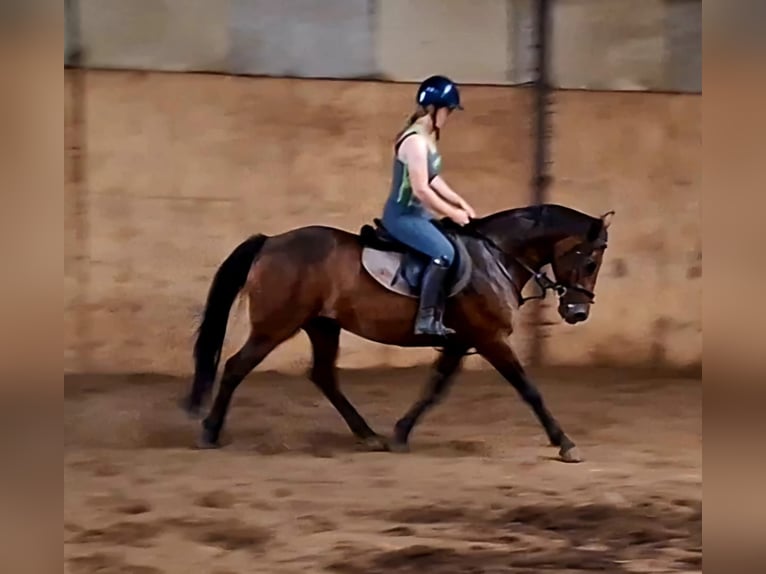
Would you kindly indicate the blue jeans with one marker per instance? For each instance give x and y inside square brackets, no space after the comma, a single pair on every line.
[417,232]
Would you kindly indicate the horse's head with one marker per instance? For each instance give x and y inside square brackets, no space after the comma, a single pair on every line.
[572,242]
[576,263]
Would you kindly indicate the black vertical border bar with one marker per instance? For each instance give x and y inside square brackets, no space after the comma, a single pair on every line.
[76,144]
[541,178]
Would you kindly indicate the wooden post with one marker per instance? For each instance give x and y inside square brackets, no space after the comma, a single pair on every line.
[77,196]
[541,178]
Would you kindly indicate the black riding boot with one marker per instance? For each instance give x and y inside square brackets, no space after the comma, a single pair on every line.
[429,319]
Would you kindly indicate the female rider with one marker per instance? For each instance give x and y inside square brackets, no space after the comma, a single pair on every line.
[418,194]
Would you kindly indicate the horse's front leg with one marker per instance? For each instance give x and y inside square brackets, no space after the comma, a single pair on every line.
[445,369]
[501,357]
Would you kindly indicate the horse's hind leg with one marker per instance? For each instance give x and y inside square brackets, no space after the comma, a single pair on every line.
[501,357]
[236,369]
[324,335]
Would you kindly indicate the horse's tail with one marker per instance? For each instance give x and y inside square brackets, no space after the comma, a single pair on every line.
[228,281]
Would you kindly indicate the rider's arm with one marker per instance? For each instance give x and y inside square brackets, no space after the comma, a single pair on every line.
[414,152]
[448,194]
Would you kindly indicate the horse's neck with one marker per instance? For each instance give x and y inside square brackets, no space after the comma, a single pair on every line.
[534,251]
[527,236]
[524,260]
[532,230]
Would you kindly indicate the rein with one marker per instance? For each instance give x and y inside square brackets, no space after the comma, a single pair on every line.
[543,281]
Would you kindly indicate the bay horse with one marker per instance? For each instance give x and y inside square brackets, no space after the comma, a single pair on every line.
[322,280]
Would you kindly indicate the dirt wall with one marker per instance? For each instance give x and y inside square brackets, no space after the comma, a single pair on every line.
[641,155]
[182,167]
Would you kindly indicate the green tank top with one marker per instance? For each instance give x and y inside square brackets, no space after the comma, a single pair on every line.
[401,188]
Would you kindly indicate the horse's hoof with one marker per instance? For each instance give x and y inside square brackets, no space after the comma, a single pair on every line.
[571,454]
[203,444]
[375,443]
[398,446]
[207,442]
[190,409]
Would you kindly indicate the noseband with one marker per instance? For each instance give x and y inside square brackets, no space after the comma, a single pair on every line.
[545,283]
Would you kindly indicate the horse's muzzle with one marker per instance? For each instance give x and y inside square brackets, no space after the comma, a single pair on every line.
[574,313]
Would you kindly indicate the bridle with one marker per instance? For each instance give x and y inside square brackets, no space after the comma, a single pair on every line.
[543,281]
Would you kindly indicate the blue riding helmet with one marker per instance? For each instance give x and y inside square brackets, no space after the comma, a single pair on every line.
[440,92]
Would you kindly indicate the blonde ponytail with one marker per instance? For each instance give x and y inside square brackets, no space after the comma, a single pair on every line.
[419,112]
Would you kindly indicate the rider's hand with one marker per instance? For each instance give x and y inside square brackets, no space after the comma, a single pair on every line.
[461,217]
[469,210]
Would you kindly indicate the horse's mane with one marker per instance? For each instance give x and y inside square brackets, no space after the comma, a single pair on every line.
[535,220]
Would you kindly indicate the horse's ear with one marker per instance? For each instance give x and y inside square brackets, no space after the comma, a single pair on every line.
[595,229]
[607,219]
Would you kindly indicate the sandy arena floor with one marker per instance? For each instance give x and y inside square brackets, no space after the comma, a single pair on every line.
[481,492]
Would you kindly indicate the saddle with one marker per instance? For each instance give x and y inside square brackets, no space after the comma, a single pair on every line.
[400,268]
